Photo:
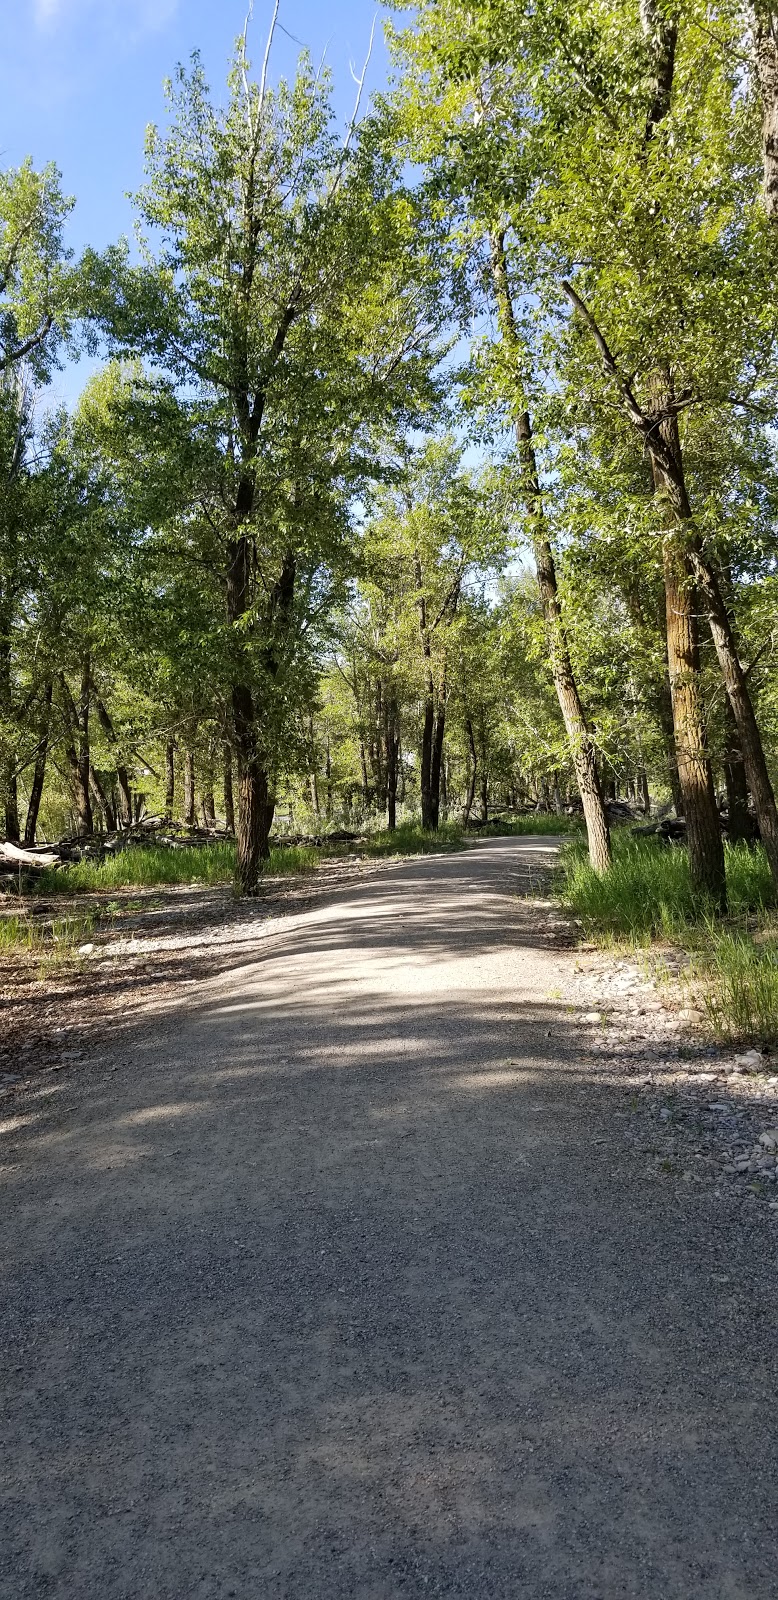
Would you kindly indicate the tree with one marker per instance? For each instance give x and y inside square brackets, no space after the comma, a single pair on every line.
[281,296]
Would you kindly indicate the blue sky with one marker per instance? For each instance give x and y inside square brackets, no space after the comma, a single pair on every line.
[81,79]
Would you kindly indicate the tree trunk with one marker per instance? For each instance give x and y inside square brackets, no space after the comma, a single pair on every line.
[581,747]
[427,737]
[12,828]
[328,778]
[122,775]
[229,803]
[363,770]
[739,824]
[391,748]
[570,704]
[189,788]
[170,777]
[757,775]
[473,773]
[484,795]
[77,758]
[664,712]
[99,795]
[207,797]
[436,759]
[703,829]
[256,803]
[312,777]
[39,773]
[765,31]
[643,793]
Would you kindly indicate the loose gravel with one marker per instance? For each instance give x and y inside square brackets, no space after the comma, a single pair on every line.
[378,1265]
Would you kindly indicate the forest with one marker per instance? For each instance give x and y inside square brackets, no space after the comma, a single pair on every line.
[429,472]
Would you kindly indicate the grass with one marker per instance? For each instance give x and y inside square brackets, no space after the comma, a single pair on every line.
[154,865]
[149,866]
[735,982]
[59,936]
[648,895]
[648,891]
[410,839]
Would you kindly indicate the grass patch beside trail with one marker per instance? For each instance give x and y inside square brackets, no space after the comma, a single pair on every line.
[59,936]
[541,823]
[647,895]
[410,839]
[154,865]
[648,890]
[148,866]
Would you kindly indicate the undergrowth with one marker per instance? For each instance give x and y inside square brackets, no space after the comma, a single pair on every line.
[151,865]
[647,895]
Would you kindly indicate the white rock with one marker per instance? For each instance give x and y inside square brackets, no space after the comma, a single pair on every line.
[769,1139]
[750,1062]
[591,1016]
[85,949]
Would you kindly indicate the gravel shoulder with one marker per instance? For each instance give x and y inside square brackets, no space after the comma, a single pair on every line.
[366,1263]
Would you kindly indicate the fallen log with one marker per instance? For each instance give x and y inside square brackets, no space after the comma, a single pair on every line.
[32,856]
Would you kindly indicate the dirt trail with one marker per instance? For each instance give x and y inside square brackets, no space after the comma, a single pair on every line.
[337,1280]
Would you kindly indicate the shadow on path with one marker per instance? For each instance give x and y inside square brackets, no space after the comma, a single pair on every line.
[342,1284]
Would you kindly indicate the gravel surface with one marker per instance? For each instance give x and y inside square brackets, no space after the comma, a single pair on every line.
[352,1271]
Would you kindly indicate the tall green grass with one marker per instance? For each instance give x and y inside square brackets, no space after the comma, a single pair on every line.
[19,932]
[735,982]
[648,890]
[149,866]
[647,894]
[410,839]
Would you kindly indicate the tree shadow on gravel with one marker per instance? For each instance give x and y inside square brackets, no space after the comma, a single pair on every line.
[343,1285]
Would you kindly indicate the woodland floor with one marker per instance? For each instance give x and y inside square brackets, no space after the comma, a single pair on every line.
[371,1240]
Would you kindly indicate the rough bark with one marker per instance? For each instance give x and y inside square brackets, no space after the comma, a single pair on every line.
[570,703]
[664,711]
[661,33]
[765,31]
[703,828]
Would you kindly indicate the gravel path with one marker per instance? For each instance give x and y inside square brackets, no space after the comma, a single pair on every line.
[338,1279]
